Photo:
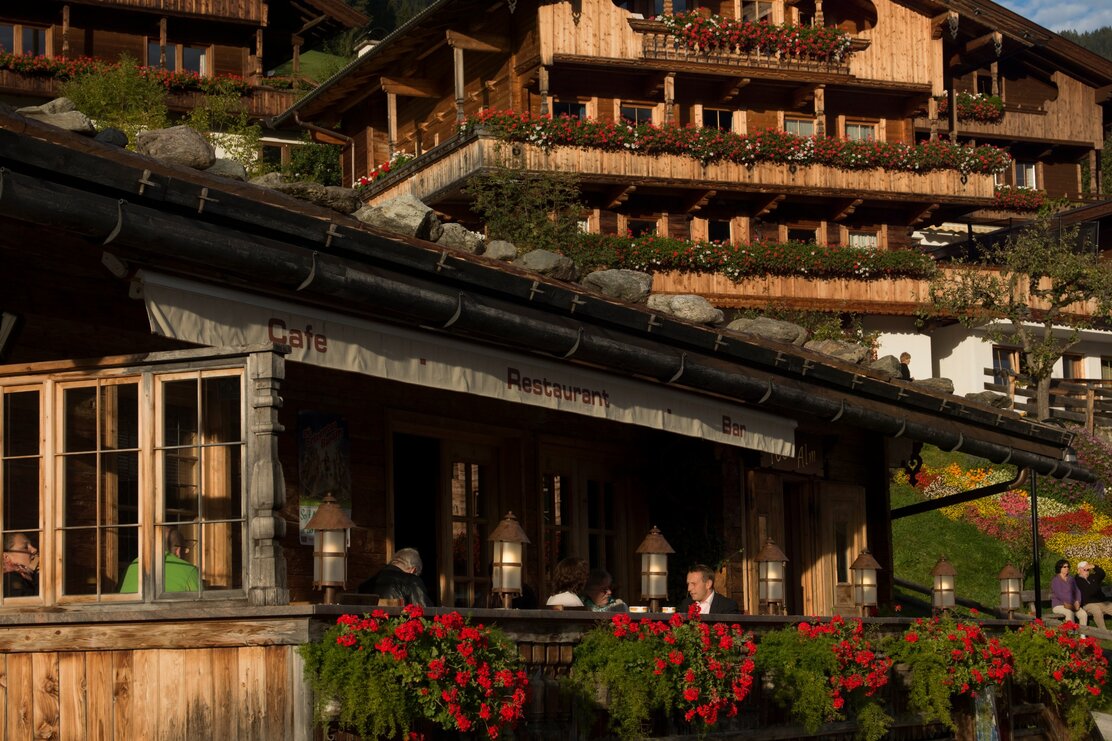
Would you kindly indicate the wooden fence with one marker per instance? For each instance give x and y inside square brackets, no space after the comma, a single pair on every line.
[1081,401]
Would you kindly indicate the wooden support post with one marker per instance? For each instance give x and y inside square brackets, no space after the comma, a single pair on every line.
[542,84]
[953,114]
[258,52]
[670,97]
[392,122]
[820,111]
[162,43]
[267,573]
[66,30]
[995,72]
[1094,173]
[932,114]
[1090,409]
[297,42]
[818,13]
[457,63]
[667,7]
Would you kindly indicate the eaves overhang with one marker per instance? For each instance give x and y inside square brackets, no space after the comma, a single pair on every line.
[185,222]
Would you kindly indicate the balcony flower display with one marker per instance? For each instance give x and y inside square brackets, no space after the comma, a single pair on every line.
[398,160]
[681,666]
[949,658]
[651,253]
[1011,198]
[974,107]
[710,146]
[66,69]
[1071,669]
[388,672]
[715,33]
[826,671]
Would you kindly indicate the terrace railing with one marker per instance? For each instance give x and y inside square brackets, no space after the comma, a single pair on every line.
[1080,401]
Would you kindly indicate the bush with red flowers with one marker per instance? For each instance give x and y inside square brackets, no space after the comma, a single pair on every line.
[826,671]
[1072,669]
[947,658]
[710,33]
[680,667]
[387,672]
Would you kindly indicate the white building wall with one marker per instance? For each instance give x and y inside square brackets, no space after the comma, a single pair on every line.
[961,356]
[899,335]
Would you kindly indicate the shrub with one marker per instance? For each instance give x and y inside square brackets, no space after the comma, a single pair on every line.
[119,96]
[317,162]
[535,211]
[221,117]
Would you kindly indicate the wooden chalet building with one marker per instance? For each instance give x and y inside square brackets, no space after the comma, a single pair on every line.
[180,352]
[244,38]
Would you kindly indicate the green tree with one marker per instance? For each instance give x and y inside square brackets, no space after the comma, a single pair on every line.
[317,162]
[532,210]
[1029,289]
[119,97]
[222,119]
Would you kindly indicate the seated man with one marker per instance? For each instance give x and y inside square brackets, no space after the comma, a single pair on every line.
[178,575]
[399,579]
[1089,582]
[700,590]
[21,566]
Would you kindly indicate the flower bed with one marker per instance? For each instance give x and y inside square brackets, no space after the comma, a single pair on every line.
[651,253]
[715,33]
[713,145]
[67,69]
[386,672]
[1010,198]
[974,107]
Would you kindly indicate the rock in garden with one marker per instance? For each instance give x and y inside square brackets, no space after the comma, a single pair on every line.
[62,113]
[500,249]
[689,307]
[771,329]
[344,200]
[226,168]
[945,385]
[990,398]
[269,179]
[548,264]
[113,136]
[56,106]
[889,365]
[624,285]
[850,352]
[459,237]
[403,215]
[177,145]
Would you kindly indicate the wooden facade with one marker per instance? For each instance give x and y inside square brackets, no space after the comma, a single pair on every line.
[241,38]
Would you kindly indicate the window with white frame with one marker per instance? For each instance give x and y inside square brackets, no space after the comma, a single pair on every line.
[799,126]
[129,483]
[1025,175]
[863,240]
[863,132]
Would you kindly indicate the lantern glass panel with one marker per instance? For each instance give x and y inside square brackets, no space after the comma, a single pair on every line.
[331,558]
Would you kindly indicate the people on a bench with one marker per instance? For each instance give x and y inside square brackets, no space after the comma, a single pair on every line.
[1065,597]
[1089,580]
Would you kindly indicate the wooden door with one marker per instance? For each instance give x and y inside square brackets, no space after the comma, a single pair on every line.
[469,496]
[843,516]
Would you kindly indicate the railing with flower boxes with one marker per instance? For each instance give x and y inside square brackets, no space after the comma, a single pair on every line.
[442,170]
[239,10]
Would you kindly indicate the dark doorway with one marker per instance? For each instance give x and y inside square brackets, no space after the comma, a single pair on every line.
[416,479]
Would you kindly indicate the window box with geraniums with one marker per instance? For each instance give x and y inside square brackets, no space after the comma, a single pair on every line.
[1011,198]
[386,673]
[825,672]
[1071,669]
[174,82]
[709,146]
[396,161]
[948,659]
[709,33]
[974,107]
[681,669]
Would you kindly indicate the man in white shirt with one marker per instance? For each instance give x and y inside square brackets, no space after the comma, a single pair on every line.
[700,590]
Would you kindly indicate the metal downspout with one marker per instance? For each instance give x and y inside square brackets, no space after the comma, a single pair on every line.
[960,497]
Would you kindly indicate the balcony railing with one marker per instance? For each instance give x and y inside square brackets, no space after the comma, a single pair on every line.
[659,44]
[443,168]
[240,10]
[1081,401]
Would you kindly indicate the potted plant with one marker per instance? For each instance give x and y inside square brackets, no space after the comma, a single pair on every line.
[826,672]
[682,668]
[386,673]
[1071,669]
[949,658]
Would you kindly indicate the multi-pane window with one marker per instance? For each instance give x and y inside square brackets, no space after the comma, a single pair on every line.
[637,114]
[602,526]
[863,240]
[1073,366]
[1105,368]
[756,10]
[569,108]
[864,132]
[1005,365]
[718,230]
[641,227]
[179,57]
[558,525]
[800,126]
[469,502]
[718,118]
[802,236]
[130,484]
[1025,175]
[18,38]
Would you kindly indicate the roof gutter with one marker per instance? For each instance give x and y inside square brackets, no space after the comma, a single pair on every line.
[152,236]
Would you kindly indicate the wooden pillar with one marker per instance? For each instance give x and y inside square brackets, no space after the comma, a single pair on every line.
[297,42]
[932,114]
[66,30]
[820,111]
[819,21]
[258,71]
[542,85]
[995,72]
[1094,173]
[392,122]
[670,98]
[742,231]
[457,63]
[267,496]
[162,43]
[667,7]
[953,114]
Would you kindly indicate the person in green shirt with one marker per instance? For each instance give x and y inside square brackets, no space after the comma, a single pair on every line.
[178,575]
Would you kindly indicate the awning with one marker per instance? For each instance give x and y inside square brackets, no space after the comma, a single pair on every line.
[211,315]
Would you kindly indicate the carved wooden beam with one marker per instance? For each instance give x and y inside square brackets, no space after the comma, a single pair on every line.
[918,217]
[847,209]
[805,94]
[488,42]
[698,200]
[617,196]
[731,88]
[916,104]
[767,205]
[411,87]
[938,24]
[654,87]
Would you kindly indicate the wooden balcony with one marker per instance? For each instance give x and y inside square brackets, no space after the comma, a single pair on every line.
[659,45]
[261,102]
[253,11]
[440,172]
